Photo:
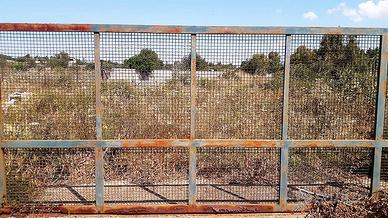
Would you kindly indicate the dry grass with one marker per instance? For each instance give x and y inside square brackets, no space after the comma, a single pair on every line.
[242,106]
[375,206]
[239,106]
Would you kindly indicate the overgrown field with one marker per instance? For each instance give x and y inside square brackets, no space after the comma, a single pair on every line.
[61,105]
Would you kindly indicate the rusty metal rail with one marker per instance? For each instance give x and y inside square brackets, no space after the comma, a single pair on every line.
[284,143]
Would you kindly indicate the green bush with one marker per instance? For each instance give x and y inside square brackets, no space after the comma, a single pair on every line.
[201,63]
[60,60]
[145,62]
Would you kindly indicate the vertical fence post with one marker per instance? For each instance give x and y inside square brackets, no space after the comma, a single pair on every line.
[193,150]
[284,149]
[3,184]
[380,107]
[99,158]
[3,188]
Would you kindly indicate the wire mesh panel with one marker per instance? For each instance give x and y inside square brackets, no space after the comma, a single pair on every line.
[238,175]
[146,88]
[146,175]
[385,133]
[47,82]
[333,86]
[239,86]
[384,168]
[344,173]
[49,177]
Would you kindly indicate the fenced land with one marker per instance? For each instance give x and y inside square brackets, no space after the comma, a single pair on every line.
[217,120]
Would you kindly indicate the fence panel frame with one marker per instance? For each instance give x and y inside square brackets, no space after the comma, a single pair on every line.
[380,109]
[193,143]
[284,150]
[3,182]
[193,98]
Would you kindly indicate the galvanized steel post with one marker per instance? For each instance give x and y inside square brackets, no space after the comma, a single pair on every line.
[380,107]
[284,149]
[99,155]
[3,184]
[3,190]
[193,150]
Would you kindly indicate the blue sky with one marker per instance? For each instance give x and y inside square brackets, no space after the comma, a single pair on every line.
[363,13]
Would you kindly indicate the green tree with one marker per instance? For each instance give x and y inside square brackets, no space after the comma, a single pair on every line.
[201,63]
[276,69]
[339,62]
[345,66]
[3,61]
[303,66]
[145,62]
[26,62]
[60,60]
[274,64]
[260,64]
[257,65]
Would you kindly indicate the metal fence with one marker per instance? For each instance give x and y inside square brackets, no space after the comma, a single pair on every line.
[174,119]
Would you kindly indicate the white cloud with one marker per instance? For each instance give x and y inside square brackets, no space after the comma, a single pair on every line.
[336,9]
[352,14]
[374,10]
[367,9]
[348,12]
[311,16]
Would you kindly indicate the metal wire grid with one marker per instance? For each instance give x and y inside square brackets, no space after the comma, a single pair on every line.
[238,175]
[239,86]
[47,82]
[384,168]
[328,172]
[333,84]
[146,175]
[49,176]
[385,133]
[141,101]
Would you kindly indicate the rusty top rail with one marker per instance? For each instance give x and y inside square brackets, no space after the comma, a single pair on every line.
[188,29]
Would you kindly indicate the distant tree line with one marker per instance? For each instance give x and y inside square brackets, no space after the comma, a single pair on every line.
[60,60]
[338,60]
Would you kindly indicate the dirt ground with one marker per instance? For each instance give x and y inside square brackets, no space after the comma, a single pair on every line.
[258,215]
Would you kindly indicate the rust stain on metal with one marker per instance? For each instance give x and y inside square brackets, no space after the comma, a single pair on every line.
[170,209]
[330,144]
[243,208]
[152,29]
[5,209]
[259,144]
[45,27]
[84,209]
[335,32]
[164,209]
[149,143]
[239,143]
[164,29]
[242,30]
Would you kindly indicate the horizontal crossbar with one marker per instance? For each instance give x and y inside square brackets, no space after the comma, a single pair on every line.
[160,143]
[177,209]
[188,29]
